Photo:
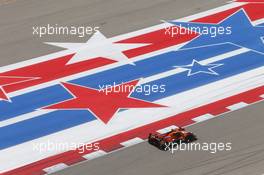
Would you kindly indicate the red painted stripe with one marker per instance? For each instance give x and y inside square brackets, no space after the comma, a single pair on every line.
[113,142]
[54,69]
[158,39]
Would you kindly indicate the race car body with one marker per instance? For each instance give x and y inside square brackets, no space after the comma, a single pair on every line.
[174,136]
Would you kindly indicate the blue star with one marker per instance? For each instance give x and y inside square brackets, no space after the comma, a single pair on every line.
[243,33]
[196,67]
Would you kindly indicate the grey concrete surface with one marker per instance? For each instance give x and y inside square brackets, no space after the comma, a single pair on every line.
[242,128]
[18,17]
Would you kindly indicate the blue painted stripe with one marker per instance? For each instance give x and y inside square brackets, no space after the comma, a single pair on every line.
[180,82]
[44,125]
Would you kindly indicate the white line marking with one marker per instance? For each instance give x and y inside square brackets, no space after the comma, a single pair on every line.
[203,117]
[237,106]
[94,155]
[55,168]
[167,129]
[262,96]
[132,142]
[257,22]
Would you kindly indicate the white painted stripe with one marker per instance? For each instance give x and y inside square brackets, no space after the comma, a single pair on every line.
[203,117]
[231,1]
[237,106]
[262,96]
[55,168]
[260,21]
[132,142]
[167,129]
[94,155]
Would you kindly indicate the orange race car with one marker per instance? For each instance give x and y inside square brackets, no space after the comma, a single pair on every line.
[175,136]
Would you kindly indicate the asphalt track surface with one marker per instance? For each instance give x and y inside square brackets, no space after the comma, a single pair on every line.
[244,128]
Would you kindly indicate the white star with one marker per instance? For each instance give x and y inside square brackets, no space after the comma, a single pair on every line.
[197,67]
[98,46]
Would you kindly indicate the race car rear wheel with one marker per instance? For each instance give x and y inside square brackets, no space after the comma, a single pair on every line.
[190,138]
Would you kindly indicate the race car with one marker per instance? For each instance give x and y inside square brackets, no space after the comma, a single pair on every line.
[175,136]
